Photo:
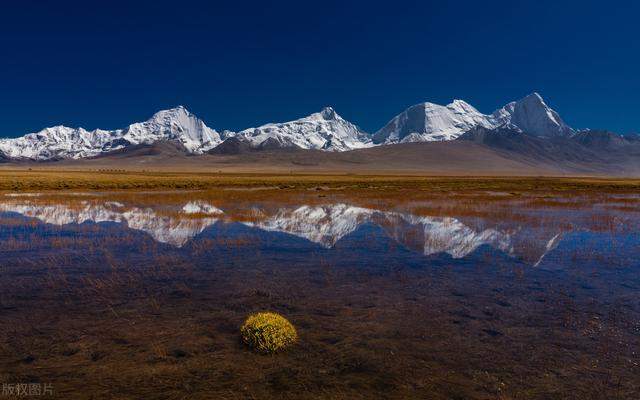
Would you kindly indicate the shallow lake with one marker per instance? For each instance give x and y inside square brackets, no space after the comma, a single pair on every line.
[483,295]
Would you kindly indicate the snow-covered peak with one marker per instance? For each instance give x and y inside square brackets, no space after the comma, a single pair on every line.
[462,106]
[533,116]
[58,142]
[430,122]
[171,116]
[328,113]
[175,124]
[324,130]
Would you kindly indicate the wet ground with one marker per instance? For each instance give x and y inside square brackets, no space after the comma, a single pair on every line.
[456,295]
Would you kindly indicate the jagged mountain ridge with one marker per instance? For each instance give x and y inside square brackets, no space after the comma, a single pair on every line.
[176,124]
[432,122]
[325,130]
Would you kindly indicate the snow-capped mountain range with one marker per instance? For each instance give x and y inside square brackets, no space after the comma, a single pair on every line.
[176,124]
[324,130]
[432,122]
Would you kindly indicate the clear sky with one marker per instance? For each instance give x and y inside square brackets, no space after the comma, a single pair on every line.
[106,64]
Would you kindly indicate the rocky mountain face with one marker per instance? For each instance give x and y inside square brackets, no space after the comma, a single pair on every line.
[605,139]
[553,150]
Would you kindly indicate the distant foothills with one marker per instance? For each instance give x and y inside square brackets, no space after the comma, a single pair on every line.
[528,125]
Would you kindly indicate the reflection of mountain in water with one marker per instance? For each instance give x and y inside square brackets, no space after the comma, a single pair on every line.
[174,230]
[325,225]
[444,235]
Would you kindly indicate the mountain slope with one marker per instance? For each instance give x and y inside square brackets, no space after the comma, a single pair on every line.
[587,152]
[60,142]
[427,122]
[324,130]
[524,133]
[431,122]
[533,116]
[604,139]
[176,124]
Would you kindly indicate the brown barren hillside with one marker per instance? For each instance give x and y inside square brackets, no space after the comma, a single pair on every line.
[453,158]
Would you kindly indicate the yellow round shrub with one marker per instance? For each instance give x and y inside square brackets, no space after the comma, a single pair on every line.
[268,332]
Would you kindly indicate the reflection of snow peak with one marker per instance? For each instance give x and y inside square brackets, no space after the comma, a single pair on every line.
[448,235]
[201,207]
[326,225]
[165,229]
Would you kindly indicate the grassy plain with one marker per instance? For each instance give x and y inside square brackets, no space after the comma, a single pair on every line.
[55,179]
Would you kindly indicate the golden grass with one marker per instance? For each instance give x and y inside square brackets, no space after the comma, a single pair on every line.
[50,179]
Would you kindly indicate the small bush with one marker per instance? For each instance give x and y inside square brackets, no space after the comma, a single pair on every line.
[268,332]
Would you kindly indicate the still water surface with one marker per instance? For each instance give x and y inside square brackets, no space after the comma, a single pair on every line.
[481,296]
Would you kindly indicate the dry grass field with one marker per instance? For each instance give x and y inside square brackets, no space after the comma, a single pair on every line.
[47,179]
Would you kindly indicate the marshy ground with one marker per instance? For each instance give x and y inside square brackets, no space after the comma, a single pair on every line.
[399,288]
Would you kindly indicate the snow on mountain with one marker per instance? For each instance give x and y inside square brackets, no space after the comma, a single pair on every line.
[173,230]
[533,116]
[59,142]
[431,122]
[176,124]
[324,130]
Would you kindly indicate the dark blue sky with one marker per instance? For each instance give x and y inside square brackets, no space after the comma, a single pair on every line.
[110,63]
